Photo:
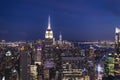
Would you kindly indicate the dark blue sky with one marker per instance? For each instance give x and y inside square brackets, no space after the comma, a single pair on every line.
[76,19]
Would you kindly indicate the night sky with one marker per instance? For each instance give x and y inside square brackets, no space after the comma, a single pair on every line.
[75,19]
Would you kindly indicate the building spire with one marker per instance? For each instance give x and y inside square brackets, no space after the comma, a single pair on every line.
[60,37]
[49,25]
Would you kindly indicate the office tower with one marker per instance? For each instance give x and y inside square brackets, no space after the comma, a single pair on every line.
[49,34]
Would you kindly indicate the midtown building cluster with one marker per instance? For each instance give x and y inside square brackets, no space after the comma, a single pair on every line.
[51,59]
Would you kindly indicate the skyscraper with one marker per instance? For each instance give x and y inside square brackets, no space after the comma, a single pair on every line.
[117,54]
[47,53]
[60,37]
[117,40]
[49,34]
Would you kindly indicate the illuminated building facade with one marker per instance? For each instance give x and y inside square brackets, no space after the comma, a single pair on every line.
[91,51]
[117,40]
[117,64]
[71,68]
[38,55]
[109,65]
[117,54]
[24,65]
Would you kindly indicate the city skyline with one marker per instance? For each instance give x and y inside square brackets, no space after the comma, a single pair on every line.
[76,20]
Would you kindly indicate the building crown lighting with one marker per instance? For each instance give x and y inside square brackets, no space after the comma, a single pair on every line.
[49,32]
[117,30]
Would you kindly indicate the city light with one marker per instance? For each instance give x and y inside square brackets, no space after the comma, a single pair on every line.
[59,40]
[99,68]
[8,53]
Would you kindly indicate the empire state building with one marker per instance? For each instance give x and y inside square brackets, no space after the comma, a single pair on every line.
[49,34]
